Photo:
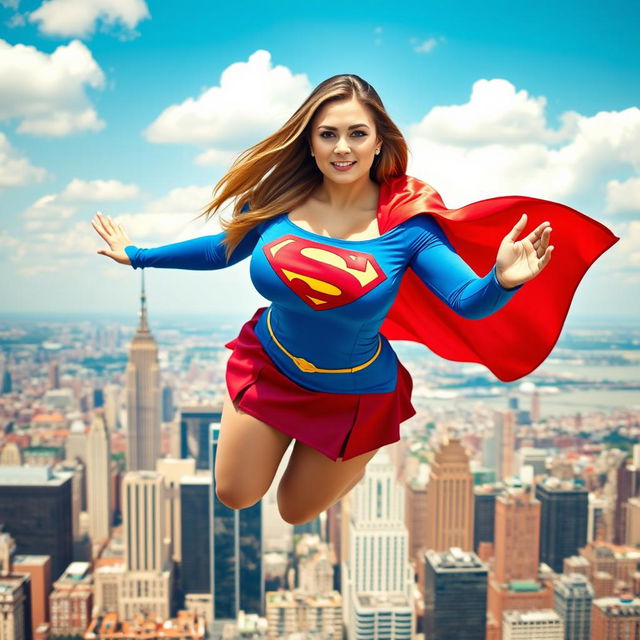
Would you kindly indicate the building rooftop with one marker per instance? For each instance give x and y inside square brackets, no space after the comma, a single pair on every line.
[388,600]
[27,559]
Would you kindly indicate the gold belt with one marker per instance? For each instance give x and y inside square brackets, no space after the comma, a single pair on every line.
[305,365]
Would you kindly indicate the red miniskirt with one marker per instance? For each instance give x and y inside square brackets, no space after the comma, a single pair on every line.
[340,425]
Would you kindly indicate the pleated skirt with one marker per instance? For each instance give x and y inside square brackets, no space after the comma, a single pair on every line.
[339,425]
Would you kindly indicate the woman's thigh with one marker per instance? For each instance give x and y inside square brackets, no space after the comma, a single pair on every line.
[312,482]
[247,457]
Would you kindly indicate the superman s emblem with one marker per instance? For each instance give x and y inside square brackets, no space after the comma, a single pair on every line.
[322,275]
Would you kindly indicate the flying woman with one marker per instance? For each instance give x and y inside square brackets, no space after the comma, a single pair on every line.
[352,252]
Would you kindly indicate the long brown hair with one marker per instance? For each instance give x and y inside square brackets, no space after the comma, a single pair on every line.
[278,174]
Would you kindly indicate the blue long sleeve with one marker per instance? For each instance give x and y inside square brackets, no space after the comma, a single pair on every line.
[203,253]
[451,279]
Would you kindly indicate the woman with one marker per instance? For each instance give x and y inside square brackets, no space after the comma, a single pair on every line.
[330,219]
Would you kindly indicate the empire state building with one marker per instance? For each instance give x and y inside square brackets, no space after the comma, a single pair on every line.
[143,397]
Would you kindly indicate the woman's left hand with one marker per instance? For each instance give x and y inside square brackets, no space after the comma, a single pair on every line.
[521,260]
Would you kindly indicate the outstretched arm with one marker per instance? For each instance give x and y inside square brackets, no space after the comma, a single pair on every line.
[205,252]
[450,278]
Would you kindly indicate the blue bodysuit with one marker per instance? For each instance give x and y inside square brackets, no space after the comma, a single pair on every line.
[329,296]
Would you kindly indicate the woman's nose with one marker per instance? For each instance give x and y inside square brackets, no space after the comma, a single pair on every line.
[342,145]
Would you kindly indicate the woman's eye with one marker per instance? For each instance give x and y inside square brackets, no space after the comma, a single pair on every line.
[329,132]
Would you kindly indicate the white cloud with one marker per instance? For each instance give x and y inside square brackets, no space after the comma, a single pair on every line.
[623,197]
[15,169]
[499,142]
[427,46]
[254,98]
[10,4]
[58,240]
[51,212]
[215,157]
[46,92]
[79,18]
[99,191]
[7,240]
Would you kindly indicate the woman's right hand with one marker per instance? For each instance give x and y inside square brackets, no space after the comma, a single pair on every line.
[115,236]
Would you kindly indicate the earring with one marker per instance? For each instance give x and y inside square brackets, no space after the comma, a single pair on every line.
[377,151]
[312,154]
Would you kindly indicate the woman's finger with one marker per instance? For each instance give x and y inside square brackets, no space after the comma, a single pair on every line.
[544,261]
[101,231]
[536,234]
[517,228]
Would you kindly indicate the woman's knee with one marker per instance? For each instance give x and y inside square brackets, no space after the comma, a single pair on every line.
[237,498]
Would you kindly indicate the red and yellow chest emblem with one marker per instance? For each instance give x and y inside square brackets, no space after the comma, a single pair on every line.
[322,275]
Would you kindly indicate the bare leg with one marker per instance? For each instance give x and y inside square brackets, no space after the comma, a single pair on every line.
[248,455]
[312,482]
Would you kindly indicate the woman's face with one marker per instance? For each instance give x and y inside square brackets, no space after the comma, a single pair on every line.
[344,131]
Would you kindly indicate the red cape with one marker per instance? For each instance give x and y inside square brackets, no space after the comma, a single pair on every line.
[517,338]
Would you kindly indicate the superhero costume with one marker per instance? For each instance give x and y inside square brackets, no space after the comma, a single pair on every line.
[342,293]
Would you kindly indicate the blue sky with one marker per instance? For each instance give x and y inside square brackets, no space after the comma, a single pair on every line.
[137,110]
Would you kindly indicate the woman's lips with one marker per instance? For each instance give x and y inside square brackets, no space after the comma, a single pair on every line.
[346,168]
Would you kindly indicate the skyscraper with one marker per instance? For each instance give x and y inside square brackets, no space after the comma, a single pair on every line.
[236,554]
[517,537]
[143,396]
[195,432]
[377,582]
[572,600]
[505,423]
[35,507]
[99,481]
[450,500]
[195,553]
[455,596]
[147,582]
[484,513]
[563,523]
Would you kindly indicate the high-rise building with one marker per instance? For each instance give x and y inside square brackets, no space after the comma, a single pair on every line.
[7,384]
[54,375]
[627,486]
[75,445]
[39,570]
[377,579]
[99,481]
[71,600]
[144,524]
[416,516]
[147,582]
[290,613]
[484,513]
[615,618]
[15,614]
[535,406]
[236,554]
[544,624]
[36,510]
[563,523]
[505,423]
[455,596]
[195,493]
[167,403]
[195,432]
[143,397]
[517,536]
[632,534]
[450,500]
[572,600]
[173,470]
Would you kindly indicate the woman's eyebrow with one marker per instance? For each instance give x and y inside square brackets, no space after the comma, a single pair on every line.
[353,126]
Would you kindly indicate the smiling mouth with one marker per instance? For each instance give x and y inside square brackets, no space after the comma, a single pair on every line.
[343,164]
